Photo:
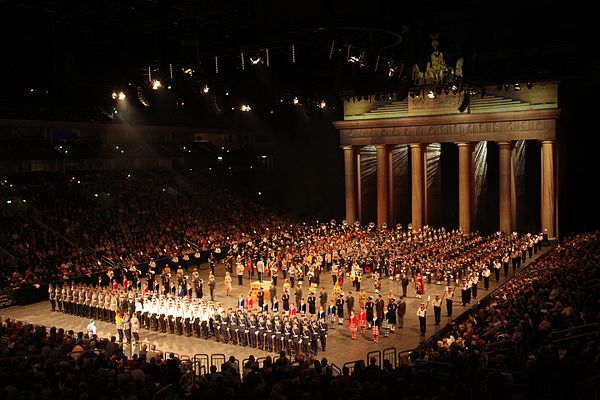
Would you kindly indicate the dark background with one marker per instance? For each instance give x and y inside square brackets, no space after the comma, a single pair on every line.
[74,54]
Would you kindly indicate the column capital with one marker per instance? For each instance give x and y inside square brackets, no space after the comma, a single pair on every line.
[504,143]
[550,141]
[348,147]
[462,144]
[381,146]
[415,145]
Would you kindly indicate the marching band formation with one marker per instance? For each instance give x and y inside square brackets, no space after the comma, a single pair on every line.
[291,332]
[176,305]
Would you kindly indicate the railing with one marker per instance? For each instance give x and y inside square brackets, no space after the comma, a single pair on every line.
[436,368]
[507,347]
[376,355]
[350,365]
[566,336]
[389,354]
[217,360]
[336,370]
[169,391]
[200,362]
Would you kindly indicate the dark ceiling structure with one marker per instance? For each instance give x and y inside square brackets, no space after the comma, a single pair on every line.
[73,53]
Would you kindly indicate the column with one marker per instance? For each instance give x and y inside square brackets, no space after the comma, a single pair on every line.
[391,205]
[418,192]
[350,180]
[382,184]
[513,187]
[504,155]
[425,212]
[465,160]
[548,189]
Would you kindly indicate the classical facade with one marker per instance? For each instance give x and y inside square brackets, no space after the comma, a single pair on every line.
[417,123]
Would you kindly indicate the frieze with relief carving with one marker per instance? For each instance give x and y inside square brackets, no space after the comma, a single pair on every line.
[543,127]
[438,103]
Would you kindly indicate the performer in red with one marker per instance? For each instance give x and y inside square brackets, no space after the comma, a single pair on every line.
[115,284]
[249,302]
[352,324]
[375,328]
[362,320]
[292,310]
[419,285]
[125,282]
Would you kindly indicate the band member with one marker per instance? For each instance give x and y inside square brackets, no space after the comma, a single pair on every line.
[375,328]
[449,300]
[353,324]
[268,342]
[322,324]
[296,338]
[135,329]
[486,277]
[362,320]
[497,266]
[369,308]
[339,307]
[305,338]
[422,314]
[314,337]
[437,308]
[52,297]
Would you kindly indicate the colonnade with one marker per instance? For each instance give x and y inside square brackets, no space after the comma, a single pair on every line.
[419,206]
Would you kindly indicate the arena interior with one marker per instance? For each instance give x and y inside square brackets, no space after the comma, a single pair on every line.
[321,200]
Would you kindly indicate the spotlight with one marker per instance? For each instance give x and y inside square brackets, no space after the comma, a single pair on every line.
[245,108]
[529,85]
[295,101]
[156,84]
[121,96]
[454,89]
[322,104]
[256,61]
[506,86]
[205,89]
[517,87]
[114,95]
[430,94]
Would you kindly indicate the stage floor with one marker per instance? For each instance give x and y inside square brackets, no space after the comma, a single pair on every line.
[340,346]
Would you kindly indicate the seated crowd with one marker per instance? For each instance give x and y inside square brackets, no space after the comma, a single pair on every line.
[556,292]
[63,227]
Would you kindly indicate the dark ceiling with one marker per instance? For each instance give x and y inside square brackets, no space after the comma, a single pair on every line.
[79,51]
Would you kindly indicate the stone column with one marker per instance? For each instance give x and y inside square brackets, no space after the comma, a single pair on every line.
[418,192]
[504,155]
[425,212]
[382,184]
[548,189]
[513,188]
[391,184]
[465,159]
[350,179]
